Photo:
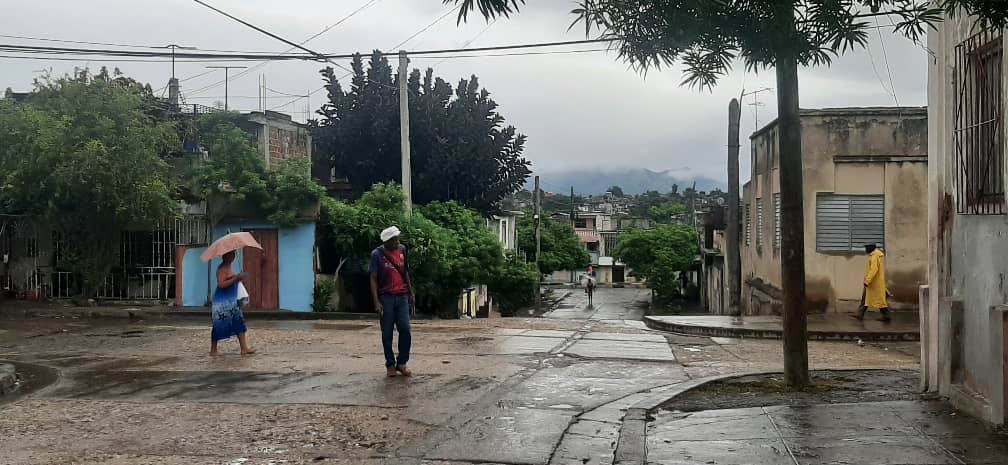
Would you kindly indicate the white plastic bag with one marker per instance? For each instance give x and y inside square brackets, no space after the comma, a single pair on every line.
[243,295]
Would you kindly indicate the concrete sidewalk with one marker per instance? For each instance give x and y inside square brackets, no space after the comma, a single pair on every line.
[884,433]
[825,327]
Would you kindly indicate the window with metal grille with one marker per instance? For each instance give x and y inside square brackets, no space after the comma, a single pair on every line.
[776,219]
[845,223]
[759,222]
[748,225]
[979,132]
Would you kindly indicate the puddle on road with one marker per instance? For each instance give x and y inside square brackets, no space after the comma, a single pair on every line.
[31,377]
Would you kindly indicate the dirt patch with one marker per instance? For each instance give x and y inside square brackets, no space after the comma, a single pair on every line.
[828,387]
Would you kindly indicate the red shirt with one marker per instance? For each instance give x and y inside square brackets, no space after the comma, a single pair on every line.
[390,282]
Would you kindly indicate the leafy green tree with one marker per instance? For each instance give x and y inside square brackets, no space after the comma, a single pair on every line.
[560,247]
[450,247]
[616,191]
[707,36]
[236,171]
[658,255]
[666,212]
[460,147]
[84,154]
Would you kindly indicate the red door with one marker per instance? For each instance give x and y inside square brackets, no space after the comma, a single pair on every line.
[264,267]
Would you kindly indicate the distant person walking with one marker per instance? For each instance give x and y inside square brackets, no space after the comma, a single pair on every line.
[393,298]
[875,289]
[589,285]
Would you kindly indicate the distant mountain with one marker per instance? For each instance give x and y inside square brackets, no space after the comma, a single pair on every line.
[632,181]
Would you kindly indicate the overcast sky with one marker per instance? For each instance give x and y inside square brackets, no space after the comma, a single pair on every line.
[580,110]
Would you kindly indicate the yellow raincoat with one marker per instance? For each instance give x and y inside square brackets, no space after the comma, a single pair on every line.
[875,281]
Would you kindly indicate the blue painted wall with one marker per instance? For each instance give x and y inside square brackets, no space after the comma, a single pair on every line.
[194,278]
[296,264]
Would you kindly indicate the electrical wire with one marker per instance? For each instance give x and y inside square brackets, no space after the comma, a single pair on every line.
[314,56]
[320,33]
[885,56]
[427,27]
[469,42]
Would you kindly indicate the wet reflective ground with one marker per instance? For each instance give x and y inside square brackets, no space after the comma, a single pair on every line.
[884,433]
[515,391]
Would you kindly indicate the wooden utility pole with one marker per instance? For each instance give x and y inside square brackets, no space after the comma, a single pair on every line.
[732,241]
[538,239]
[404,141]
[573,222]
[795,335]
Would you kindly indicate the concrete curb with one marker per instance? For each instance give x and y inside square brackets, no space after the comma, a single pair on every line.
[632,450]
[813,335]
[8,379]
[141,313]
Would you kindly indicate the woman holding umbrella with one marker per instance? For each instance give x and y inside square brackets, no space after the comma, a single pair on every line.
[228,320]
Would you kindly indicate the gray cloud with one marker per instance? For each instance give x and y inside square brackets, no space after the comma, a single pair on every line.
[579,110]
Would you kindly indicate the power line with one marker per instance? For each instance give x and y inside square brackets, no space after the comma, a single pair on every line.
[885,56]
[425,28]
[314,56]
[270,34]
[323,31]
[421,31]
[470,41]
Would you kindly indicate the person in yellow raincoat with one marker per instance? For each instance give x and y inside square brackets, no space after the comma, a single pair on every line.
[875,289]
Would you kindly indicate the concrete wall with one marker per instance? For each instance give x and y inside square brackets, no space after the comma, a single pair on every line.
[966,357]
[875,151]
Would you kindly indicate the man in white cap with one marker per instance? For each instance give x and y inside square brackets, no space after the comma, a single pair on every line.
[393,297]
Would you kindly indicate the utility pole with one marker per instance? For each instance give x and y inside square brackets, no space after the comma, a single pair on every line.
[226,70]
[538,235]
[407,182]
[174,47]
[573,220]
[732,241]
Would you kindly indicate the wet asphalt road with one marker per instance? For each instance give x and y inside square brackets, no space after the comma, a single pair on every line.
[517,391]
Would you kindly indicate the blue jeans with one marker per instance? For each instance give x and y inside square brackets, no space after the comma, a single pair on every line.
[396,314]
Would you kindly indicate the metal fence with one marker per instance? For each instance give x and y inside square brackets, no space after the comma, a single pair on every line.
[145,269]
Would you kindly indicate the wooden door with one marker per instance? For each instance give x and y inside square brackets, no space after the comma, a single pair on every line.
[264,267]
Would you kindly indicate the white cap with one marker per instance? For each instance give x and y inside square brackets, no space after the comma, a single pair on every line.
[389,233]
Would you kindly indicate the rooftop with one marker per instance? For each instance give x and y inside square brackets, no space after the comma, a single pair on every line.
[849,111]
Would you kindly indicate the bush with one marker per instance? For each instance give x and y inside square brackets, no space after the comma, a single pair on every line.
[513,285]
[324,290]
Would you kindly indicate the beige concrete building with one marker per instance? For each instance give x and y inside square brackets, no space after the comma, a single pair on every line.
[865,180]
[964,329]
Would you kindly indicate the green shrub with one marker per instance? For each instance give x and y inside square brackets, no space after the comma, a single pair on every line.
[513,285]
[324,291]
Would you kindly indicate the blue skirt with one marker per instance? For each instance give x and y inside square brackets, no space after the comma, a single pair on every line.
[228,320]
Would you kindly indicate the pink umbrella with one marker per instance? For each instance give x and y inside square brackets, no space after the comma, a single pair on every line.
[228,243]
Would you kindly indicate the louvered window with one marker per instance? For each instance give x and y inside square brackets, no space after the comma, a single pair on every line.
[777,225]
[845,223]
[748,225]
